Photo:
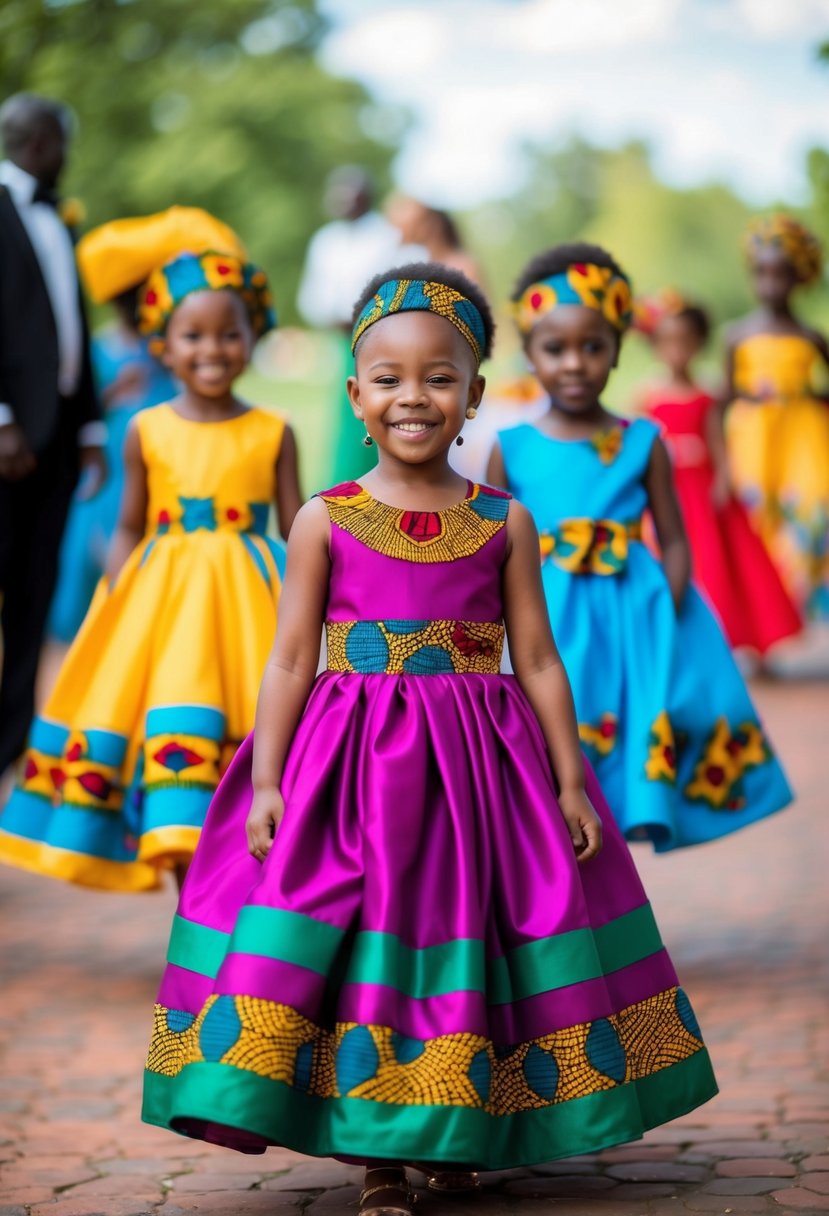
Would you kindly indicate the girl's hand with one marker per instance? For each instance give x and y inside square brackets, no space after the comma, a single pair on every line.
[583,823]
[263,819]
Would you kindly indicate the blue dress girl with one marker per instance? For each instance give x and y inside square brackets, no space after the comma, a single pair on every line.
[663,711]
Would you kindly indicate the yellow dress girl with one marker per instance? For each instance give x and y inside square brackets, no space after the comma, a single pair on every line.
[778,425]
[160,685]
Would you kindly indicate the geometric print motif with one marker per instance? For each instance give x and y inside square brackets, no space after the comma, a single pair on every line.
[414,647]
[419,536]
[466,1070]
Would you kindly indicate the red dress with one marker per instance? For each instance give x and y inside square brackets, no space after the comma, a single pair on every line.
[730,561]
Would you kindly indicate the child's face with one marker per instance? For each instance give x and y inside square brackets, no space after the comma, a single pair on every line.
[676,343]
[415,378]
[773,277]
[573,350]
[208,342]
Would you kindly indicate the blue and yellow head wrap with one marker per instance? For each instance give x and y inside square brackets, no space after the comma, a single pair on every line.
[596,287]
[171,283]
[800,247]
[416,295]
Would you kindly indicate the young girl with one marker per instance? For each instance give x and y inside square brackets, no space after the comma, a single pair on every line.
[730,560]
[778,427]
[160,685]
[114,261]
[661,707]
[399,940]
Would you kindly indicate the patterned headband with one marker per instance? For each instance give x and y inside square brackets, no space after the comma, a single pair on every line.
[800,248]
[414,295]
[596,287]
[650,311]
[168,285]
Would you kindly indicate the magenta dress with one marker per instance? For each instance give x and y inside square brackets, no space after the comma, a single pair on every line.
[420,969]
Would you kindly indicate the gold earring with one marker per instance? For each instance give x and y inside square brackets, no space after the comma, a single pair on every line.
[471,412]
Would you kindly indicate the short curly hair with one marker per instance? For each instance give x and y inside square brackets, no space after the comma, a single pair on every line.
[558,259]
[433,272]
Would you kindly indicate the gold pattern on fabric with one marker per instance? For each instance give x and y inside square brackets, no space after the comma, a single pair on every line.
[728,755]
[463,1069]
[660,764]
[590,546]
[414,647]
[420,536]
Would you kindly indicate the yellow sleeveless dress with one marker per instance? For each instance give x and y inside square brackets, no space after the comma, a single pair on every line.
[778,445]
[160,685]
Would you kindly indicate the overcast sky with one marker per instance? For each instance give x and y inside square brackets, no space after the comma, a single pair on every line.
[725,90]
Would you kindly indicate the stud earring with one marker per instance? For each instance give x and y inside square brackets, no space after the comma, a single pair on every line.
[471,412]
[367,440]
[459,441]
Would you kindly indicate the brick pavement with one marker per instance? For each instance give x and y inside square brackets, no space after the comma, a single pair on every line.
[746,921]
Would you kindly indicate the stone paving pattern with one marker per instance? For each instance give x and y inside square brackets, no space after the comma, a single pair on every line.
[746,920]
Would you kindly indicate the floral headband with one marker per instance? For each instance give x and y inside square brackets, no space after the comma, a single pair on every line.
[414,295]
[590,286]
[650,311]
[168,285]
[795,242]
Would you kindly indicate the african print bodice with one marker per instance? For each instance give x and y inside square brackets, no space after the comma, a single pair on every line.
[587,496]
[415,592]
[209,476]
[775,366]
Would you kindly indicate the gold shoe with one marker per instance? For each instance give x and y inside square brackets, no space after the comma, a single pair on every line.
[448,1182]
[387,1209]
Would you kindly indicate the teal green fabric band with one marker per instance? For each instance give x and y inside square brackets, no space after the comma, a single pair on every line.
[380,958]
[357,1127]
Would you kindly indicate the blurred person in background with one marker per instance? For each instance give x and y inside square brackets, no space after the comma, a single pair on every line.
[436,231]
[730,562]
[341,258]
[778,423]
[50,427]
[114,261]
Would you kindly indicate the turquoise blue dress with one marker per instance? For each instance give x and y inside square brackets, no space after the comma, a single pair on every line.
[92,521]
[664,714]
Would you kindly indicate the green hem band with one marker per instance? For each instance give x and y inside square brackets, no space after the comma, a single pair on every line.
[457,966]
[325,1127]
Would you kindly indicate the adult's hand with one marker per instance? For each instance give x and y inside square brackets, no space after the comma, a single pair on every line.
[17,460]
[94,472]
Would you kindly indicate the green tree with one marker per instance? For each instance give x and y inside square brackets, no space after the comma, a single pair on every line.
[223,106]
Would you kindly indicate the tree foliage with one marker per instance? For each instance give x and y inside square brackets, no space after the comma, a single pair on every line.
[220,105]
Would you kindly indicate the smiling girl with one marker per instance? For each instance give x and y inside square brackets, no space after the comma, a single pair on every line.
[662,710]
[402,939]
[160,685]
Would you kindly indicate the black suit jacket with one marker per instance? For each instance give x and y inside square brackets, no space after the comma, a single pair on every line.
[29,342]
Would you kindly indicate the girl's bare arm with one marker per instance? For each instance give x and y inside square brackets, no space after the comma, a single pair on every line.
[291,668]
[132,517]
[540,672]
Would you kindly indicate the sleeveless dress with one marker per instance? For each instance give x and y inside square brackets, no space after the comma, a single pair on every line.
[91,521]
[160,685]
[663,712]
[778,447]
[731,563]
[420,968]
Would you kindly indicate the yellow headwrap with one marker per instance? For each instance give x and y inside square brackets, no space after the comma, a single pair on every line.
[800,247]
[123,253]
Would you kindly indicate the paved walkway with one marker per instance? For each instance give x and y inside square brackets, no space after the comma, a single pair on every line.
[746,921]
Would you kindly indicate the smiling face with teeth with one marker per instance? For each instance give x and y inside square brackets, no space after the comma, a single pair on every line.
[208,344]
[416,376]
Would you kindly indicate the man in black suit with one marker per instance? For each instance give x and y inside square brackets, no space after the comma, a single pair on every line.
[50,428]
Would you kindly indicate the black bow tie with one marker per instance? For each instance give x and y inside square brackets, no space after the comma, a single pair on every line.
[45,194]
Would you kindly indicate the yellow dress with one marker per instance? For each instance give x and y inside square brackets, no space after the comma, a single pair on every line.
[160,685]
[778,444]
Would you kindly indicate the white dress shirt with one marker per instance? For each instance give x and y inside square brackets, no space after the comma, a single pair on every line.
[53,249]
[342,256]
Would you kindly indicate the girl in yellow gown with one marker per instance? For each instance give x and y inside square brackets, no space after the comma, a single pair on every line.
[778,426]
[160,685]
